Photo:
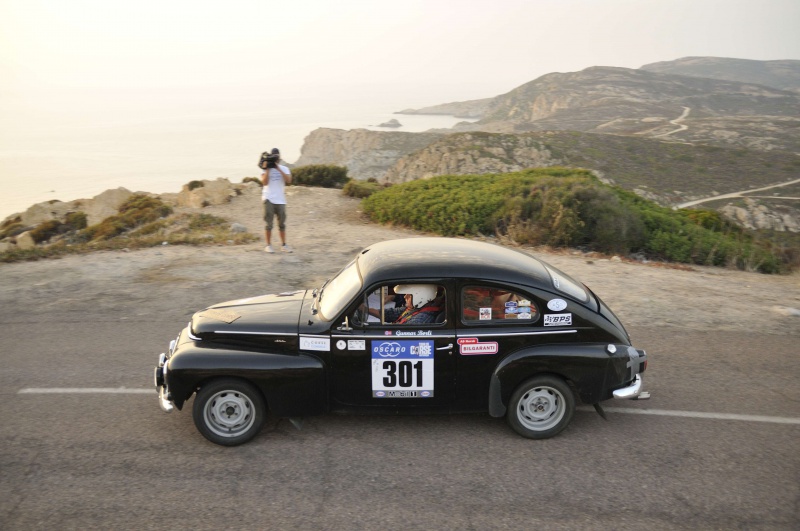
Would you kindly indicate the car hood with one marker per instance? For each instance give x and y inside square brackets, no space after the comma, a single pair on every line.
[262,315]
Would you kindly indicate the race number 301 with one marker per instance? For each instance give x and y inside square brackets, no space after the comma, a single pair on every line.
[402,369]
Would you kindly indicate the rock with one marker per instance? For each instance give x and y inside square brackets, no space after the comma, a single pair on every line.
[25,241]
[103,205]
[217,192]
[238,227]
[46,211]
[471,153]
[785,310]
[391,123]
[6,246]
[758,216]
[367,154]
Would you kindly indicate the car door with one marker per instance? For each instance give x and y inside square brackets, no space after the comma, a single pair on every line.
[492,321]
[378,362]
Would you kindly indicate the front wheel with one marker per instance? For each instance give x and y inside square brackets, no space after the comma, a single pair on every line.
[541,407]
[229,411]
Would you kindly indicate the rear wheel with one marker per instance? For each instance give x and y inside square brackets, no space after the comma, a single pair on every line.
[229,411]
[541,407]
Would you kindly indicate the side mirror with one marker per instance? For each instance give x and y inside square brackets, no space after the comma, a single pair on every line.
[345,325]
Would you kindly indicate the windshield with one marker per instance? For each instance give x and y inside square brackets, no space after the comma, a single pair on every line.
[339,291]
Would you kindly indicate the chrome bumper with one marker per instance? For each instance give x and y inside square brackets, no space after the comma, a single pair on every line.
[163,401]
[161,384]
[633,391]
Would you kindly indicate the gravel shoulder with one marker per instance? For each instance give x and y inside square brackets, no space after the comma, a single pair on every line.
[326,229]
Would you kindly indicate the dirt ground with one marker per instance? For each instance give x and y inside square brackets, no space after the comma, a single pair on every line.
[326,230]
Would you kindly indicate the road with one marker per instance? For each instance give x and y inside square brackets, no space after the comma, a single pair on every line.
[723,451]
[738,194]
[677,121]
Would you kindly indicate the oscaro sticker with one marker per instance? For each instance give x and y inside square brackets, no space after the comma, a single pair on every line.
[315,343]
[402,368]
[557,305]
[356,344]
[558,319]
[341,345]
[470,346]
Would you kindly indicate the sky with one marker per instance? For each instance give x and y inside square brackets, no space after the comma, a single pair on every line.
[414,52]
[150,94]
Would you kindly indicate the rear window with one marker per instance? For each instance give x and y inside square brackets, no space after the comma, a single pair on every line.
[567,285]
[481,304]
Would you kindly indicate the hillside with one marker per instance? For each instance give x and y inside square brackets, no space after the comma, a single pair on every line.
[782,74]
[662,131]
[635,102]
[734,107]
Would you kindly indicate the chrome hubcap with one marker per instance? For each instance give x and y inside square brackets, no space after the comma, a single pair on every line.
[229,413]
[541,408]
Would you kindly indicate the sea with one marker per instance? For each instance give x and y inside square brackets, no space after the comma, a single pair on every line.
[65,154]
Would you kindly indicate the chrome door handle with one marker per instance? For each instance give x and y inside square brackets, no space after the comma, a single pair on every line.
[446,348]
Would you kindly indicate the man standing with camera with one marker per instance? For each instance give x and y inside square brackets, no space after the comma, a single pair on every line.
[274,179]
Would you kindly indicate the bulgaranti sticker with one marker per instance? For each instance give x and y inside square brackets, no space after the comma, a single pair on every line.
[556,305]
[471,346]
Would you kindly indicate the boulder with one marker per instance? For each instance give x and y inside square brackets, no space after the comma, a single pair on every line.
[25,241]
[6,246]
[217,192]
[104,205]
[46,211]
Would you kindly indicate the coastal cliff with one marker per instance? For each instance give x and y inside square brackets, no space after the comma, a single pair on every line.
[366,154]
[471,153]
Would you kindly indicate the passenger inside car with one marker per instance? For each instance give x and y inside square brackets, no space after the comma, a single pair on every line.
[488,304]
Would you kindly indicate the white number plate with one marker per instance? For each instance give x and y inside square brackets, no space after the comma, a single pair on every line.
[402,368]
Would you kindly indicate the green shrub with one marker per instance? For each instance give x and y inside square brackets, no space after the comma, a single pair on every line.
[75,220]
[251,180]
[322,175]
[205,221]
[361,189]
[45,230]
[194,184]
[570,207]
[136,211]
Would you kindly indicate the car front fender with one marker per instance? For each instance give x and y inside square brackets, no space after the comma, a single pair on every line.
[293,384]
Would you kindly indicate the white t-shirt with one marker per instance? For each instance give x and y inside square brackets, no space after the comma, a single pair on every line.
[274,190]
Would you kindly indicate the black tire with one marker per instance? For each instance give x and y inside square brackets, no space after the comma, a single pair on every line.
[228,411]
[541,407]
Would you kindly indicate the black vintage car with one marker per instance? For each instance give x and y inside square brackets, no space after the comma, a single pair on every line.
[422,324]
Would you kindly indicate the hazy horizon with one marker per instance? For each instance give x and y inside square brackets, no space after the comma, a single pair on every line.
[116,76]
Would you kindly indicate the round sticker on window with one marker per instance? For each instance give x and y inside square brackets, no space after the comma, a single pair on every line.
[557,305]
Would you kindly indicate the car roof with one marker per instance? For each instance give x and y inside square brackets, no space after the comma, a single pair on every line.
[449,258]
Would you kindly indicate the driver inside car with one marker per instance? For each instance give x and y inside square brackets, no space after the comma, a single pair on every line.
[421,305]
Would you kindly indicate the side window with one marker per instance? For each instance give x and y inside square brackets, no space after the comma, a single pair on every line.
[405,304]
[489,304]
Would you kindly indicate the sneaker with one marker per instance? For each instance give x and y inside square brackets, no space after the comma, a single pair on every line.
[286,249]
[269,249]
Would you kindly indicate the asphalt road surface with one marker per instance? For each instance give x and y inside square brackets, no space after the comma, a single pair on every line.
[83,445]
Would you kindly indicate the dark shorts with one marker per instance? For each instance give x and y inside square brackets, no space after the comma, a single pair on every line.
[270,211]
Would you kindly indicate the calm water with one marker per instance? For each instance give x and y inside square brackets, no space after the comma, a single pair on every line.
[71,155]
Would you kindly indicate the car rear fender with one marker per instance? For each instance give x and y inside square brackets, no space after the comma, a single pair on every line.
[293,385]
[582,366]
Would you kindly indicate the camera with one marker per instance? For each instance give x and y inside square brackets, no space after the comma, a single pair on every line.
[272,160]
